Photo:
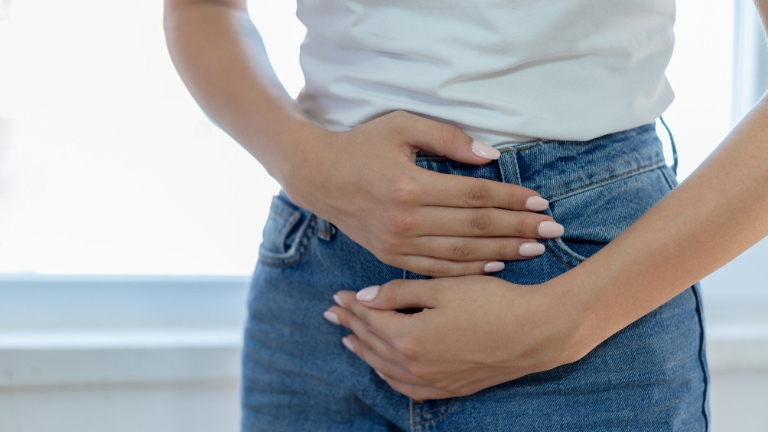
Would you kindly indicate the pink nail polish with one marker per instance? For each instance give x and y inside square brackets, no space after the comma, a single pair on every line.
[484,150]
[535,203]
[531,249]
[348,343]
[551,229]
[338,301]
[330,316]
[367,294]
[381,375]
[493,267]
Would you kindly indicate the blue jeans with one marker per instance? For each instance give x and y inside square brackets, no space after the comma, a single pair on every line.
[650,376]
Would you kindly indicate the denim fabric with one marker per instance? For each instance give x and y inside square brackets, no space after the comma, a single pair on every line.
[651,376]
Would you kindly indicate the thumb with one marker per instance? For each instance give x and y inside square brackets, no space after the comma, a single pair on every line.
[398,294]
[446,140]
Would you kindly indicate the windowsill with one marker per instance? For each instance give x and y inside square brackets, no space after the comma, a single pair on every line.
[73,358]
[734,347]
[103,330]
[96,330]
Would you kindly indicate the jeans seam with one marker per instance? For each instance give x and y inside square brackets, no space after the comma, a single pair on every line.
[433,409]
[612,178]
[702,356]
[302,247]
[422,423]
[566,252]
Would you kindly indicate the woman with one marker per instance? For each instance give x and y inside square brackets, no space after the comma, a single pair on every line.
[493,146]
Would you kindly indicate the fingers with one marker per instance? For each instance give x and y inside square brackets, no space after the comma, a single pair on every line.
[472,253]
[400,379]
[438,268]
[367,345]
[441,139]
[476,222]
[459,191]
[397,294]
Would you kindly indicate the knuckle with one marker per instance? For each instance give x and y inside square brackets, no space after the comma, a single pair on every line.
[449,134]
[391,292]
[392,242]
[438,270]
[397,121]
[480,222]
[407,348]
[398,115]
[508,250]
[520,226]
[405,192]
[462,251]
[477,196]
[423,371]
[399,223]
[531,227]
[388,258]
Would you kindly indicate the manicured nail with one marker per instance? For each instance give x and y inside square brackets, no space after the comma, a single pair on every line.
[493,267]
[338,301]
[381,375]
[348,343]
[535,203]
[551,229]
[330,316]
[531,249]
[484,150]
[368,294]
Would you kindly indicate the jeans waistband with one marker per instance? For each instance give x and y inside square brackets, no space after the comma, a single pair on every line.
[556,169]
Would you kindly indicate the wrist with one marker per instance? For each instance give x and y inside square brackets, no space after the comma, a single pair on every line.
[572,308]
[302,163]
[293,149]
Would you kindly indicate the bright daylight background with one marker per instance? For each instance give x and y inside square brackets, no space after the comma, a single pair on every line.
[107,166]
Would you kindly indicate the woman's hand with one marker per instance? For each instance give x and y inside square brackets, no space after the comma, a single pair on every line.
[365,181]
[474,332]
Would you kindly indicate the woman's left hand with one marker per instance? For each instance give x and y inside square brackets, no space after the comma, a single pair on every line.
[473,332]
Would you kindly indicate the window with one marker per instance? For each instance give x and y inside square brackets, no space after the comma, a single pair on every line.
[107,166]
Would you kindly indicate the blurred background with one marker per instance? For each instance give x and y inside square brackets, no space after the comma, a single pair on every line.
[129,223]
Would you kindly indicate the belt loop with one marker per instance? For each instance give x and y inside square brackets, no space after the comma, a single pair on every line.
[672,144]
[325,229]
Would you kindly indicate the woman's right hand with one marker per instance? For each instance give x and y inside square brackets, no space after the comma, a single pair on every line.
[365,181]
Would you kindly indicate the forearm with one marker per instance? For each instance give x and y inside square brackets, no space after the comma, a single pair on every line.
[713,216]
[221,59]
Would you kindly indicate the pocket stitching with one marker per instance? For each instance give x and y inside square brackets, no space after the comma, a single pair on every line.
[288,213]
[607,180]
[292,257]
[557,245]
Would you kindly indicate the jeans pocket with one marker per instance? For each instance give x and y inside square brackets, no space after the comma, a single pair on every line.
[595,215]
[286,234]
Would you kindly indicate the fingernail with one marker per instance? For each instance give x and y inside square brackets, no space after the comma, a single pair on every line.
[493,267]
[338,301]
[381,375]
[367,294]
[535,203]
[551,229]
[330,316]
[348,343]
[484,150]
[531,249]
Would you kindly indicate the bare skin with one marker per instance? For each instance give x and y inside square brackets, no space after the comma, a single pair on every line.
[452,348]
[365,180]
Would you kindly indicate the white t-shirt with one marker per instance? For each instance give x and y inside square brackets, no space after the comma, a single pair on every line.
[502,70]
